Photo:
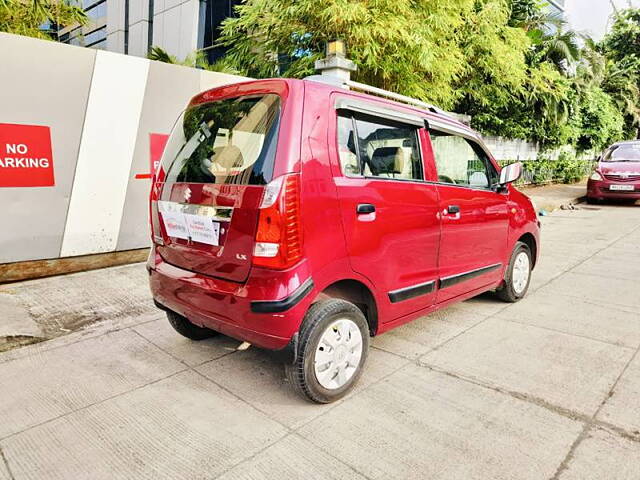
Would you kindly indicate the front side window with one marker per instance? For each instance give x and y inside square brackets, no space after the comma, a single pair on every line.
[230,141]
[460,161]
[373,147]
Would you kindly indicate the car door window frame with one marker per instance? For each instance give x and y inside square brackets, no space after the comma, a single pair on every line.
[365,112]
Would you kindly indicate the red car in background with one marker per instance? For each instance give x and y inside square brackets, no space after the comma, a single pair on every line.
[305,217]
[617,174]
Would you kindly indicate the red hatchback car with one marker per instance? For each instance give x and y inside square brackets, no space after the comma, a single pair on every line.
[617,174]
[304,217]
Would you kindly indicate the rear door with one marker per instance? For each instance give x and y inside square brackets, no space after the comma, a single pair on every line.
[474,215]
[219,156]
[389,212]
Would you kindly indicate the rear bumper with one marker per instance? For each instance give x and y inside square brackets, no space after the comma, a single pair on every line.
[600,190]
[266,311]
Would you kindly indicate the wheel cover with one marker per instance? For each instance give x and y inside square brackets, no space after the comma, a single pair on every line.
[338,354]
[521,272]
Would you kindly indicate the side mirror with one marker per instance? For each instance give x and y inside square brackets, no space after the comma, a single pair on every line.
[510,173]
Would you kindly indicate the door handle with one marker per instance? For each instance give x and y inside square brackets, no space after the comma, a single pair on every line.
[453,209]
[365,208]
[452,212]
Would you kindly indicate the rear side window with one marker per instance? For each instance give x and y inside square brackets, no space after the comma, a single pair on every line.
[460,161]
[373,147]
[232,141]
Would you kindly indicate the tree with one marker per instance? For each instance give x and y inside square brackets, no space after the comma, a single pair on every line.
[195,60]
[425,49]
[38,18]
[622,80]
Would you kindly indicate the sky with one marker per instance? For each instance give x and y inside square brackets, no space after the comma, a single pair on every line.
[591,16]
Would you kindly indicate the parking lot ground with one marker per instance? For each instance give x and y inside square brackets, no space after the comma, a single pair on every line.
[553,196]
[547,388]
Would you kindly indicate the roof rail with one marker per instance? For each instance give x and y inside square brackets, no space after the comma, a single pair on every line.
[363,87]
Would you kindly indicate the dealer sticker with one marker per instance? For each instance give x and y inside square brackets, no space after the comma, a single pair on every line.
[203,229]
[175,224]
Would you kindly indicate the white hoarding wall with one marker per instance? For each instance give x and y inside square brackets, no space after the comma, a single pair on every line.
[79,129]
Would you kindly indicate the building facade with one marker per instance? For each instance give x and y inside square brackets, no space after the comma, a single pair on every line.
[132,26]
[557,7]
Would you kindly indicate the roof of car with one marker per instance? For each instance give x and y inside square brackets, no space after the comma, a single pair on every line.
[626,142]
[431,111]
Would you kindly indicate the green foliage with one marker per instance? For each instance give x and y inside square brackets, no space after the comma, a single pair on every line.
[35,18]
[515,68]
[600,120]
[195,60]
[622,80]
[565,169]
[426,49]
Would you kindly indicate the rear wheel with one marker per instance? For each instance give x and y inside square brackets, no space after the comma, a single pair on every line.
[332,350]
[517,275]
[187,329]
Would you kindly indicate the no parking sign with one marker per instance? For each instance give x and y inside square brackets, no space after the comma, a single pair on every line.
[25,156]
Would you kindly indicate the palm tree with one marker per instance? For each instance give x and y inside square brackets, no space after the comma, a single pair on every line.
[197,59]
[560,48]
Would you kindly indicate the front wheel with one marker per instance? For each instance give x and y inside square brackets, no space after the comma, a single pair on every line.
[518,274]
[332,350]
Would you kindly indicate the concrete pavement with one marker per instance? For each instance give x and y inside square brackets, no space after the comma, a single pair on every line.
[553,196]
[547,388]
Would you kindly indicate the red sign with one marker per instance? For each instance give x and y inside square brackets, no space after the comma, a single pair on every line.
[25,156]
[157,142]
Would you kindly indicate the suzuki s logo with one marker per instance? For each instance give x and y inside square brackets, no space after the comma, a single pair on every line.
[624,175]
[187,194]
[241,256]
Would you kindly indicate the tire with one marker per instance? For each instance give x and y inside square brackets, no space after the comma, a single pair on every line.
[187,329]
[593,201]
[512,289]
[336,321]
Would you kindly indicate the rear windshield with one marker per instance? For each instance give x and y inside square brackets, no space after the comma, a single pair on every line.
[231,141]
[623,153]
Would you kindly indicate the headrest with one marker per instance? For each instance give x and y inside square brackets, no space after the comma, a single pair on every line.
[228,157]
[478,179]
[387,160]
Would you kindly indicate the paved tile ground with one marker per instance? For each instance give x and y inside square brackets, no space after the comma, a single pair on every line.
[544,389]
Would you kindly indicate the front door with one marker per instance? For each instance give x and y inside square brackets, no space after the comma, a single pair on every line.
[389,213]
[474,216]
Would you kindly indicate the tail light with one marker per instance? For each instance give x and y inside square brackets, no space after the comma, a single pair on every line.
[156,233]
[279,235]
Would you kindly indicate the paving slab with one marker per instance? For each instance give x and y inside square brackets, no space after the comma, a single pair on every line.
[550,266]
[604,455]
[484,304]
[419,424]
[611,265]
[290,458]
[183,427]
[4,473]
[623,407]
[66,303]
[95,330]
[16,320]
[577,316]
[191,352]
[613,291]
[257,377]
[425,333]
[566,371]
[552,196]
[39,388]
